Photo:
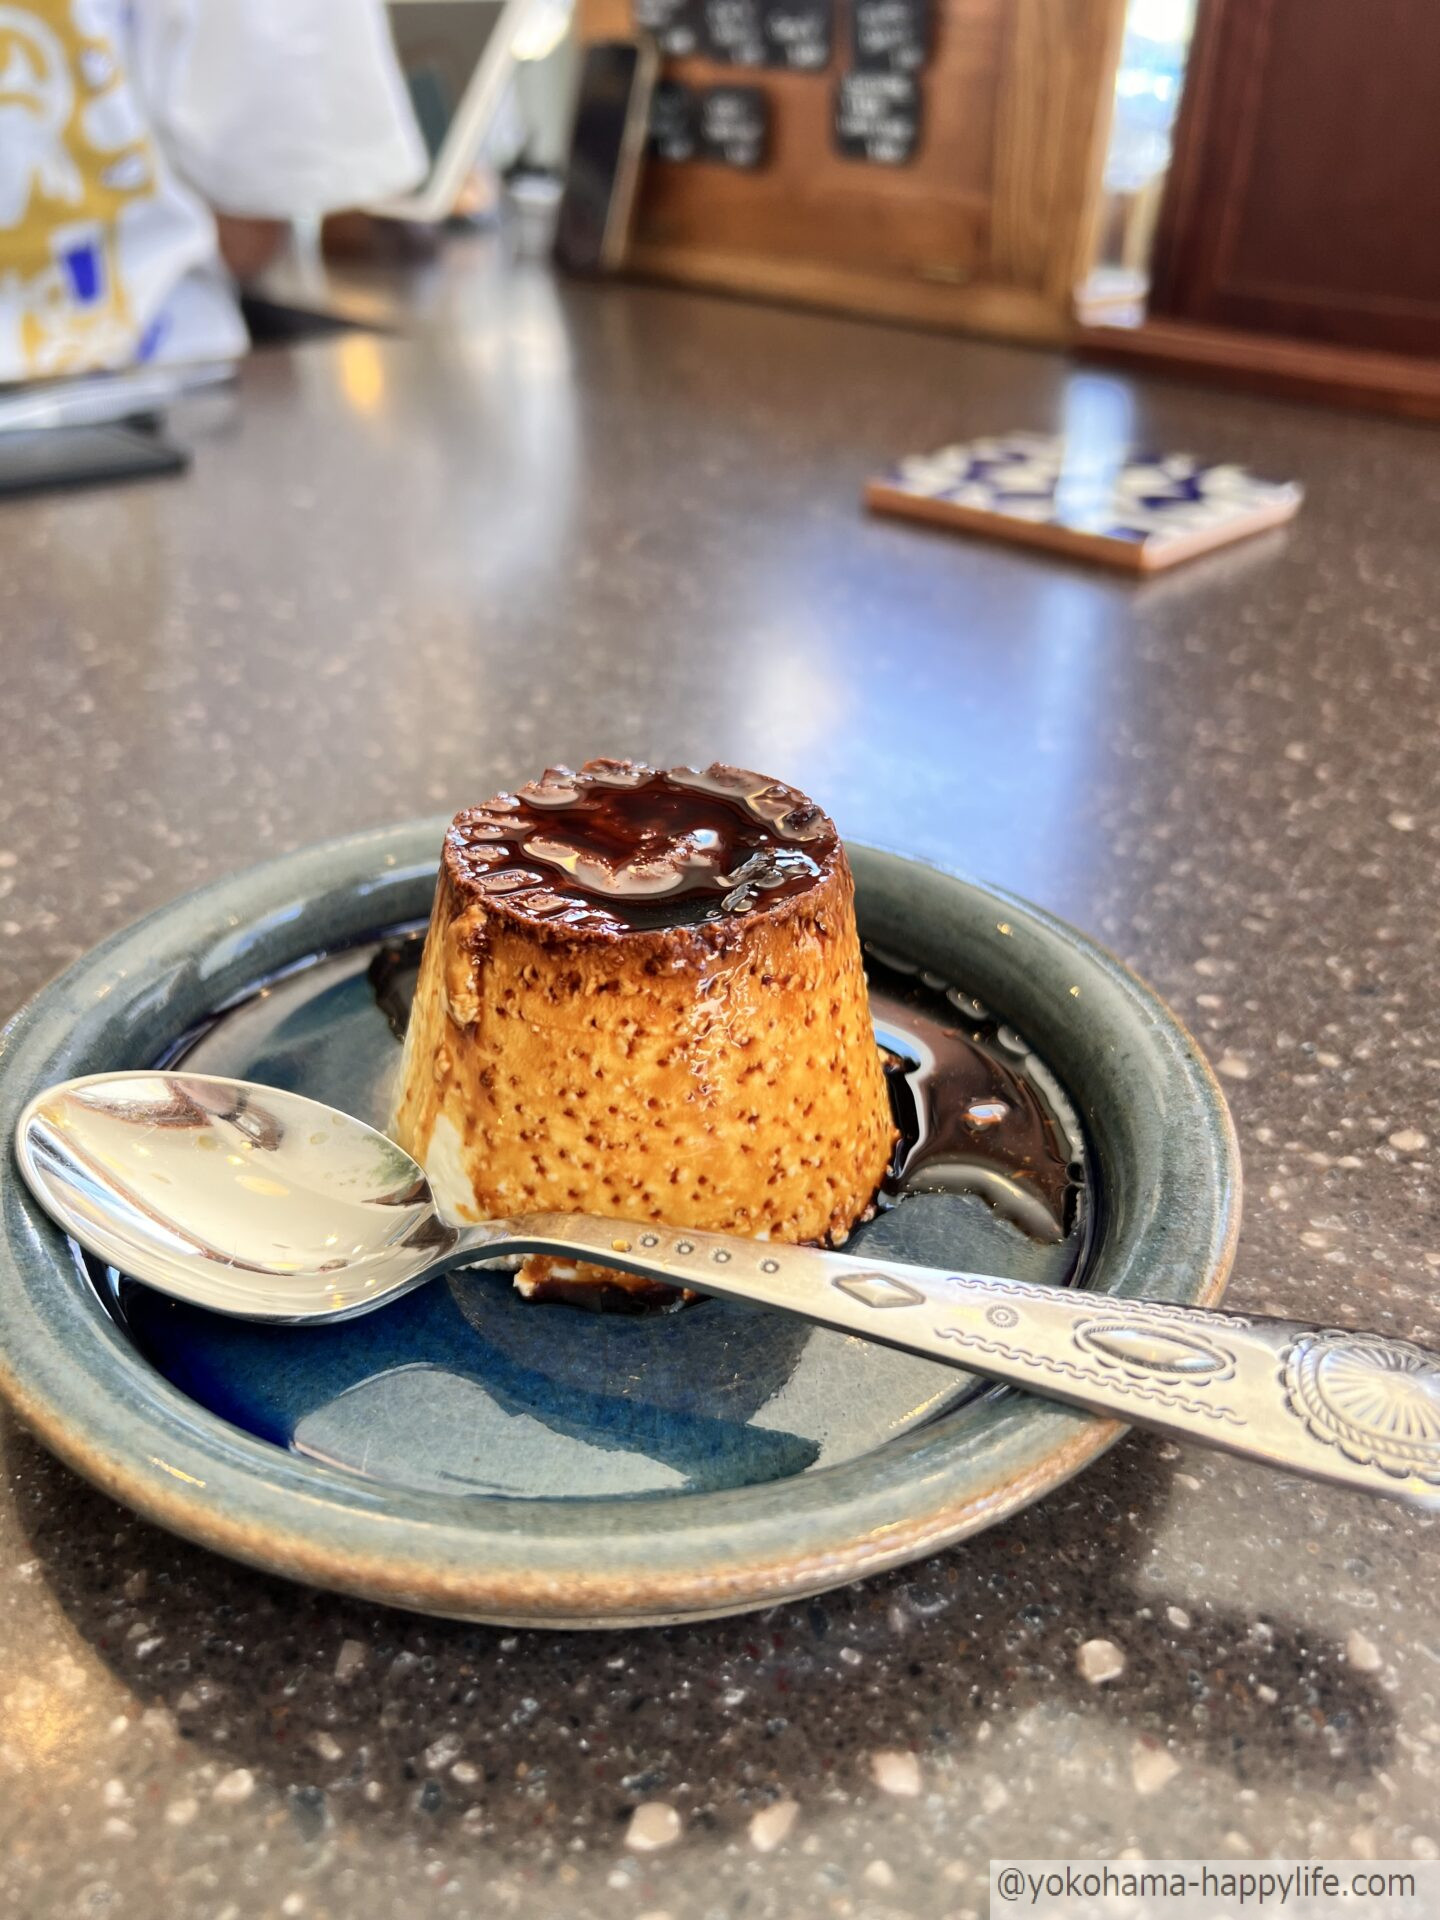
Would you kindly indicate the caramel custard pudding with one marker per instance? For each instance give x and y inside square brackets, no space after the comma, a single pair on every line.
[642,995]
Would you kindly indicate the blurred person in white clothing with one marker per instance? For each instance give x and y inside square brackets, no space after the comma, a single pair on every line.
[153,152]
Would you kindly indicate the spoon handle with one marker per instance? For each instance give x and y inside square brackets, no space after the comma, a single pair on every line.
[1359,1409]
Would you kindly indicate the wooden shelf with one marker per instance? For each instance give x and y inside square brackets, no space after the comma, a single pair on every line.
[987,230]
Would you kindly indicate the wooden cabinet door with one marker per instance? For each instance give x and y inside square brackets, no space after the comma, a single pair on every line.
[1304,197]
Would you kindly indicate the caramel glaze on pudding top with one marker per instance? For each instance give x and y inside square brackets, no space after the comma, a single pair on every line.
[641,996]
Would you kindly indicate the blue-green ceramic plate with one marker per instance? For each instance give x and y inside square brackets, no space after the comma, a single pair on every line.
[470,1454]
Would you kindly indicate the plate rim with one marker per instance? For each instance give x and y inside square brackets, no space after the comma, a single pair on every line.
[73,1379]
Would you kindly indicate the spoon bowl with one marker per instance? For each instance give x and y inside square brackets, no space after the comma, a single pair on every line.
[243,1199]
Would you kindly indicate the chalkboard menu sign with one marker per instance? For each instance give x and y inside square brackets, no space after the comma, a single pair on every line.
[891,36]
[798,33]
[735,32]
[675,24]
[674,122]
[734,126]
[877,117]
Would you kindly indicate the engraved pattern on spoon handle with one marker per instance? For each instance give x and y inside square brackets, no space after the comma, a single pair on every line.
[1359,1409]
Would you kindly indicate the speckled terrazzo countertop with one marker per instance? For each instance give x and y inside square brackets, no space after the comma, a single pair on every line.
[558,522]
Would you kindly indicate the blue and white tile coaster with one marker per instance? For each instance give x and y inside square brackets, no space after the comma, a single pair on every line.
[1125,506]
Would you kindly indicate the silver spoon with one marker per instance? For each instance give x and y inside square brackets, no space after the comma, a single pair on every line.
[266,1205]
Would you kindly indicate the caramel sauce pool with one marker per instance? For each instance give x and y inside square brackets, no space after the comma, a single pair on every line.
[977,1112]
